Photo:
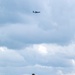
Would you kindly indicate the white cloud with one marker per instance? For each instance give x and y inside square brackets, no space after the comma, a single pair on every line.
[58,60]
[55,55]
[62,55]
[9,57]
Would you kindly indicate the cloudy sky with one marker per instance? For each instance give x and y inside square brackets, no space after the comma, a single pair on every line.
[42,43]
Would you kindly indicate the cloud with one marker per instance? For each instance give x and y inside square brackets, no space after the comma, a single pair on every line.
[55,55]
[38,70]
[58,60]
[9,57]
[37,43]
[55,23]
[19,35]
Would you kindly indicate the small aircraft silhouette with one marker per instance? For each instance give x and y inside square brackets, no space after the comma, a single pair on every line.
[36,11]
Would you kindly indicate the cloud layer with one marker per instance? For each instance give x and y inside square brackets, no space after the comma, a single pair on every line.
[54,59]
[37,43]
[19,26]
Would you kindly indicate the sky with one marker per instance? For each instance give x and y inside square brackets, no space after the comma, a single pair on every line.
[42,43]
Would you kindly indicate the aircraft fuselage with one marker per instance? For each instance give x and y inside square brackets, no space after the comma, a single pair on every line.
[36,11]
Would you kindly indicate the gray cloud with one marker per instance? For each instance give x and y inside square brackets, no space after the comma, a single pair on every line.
[22,34]
[55,23]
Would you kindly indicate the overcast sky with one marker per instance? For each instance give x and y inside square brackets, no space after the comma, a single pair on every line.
[42,43]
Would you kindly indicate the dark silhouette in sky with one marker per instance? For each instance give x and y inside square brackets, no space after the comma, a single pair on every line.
[33,74]
[36,11]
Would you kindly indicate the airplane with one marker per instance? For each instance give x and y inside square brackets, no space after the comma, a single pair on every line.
[36,11]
